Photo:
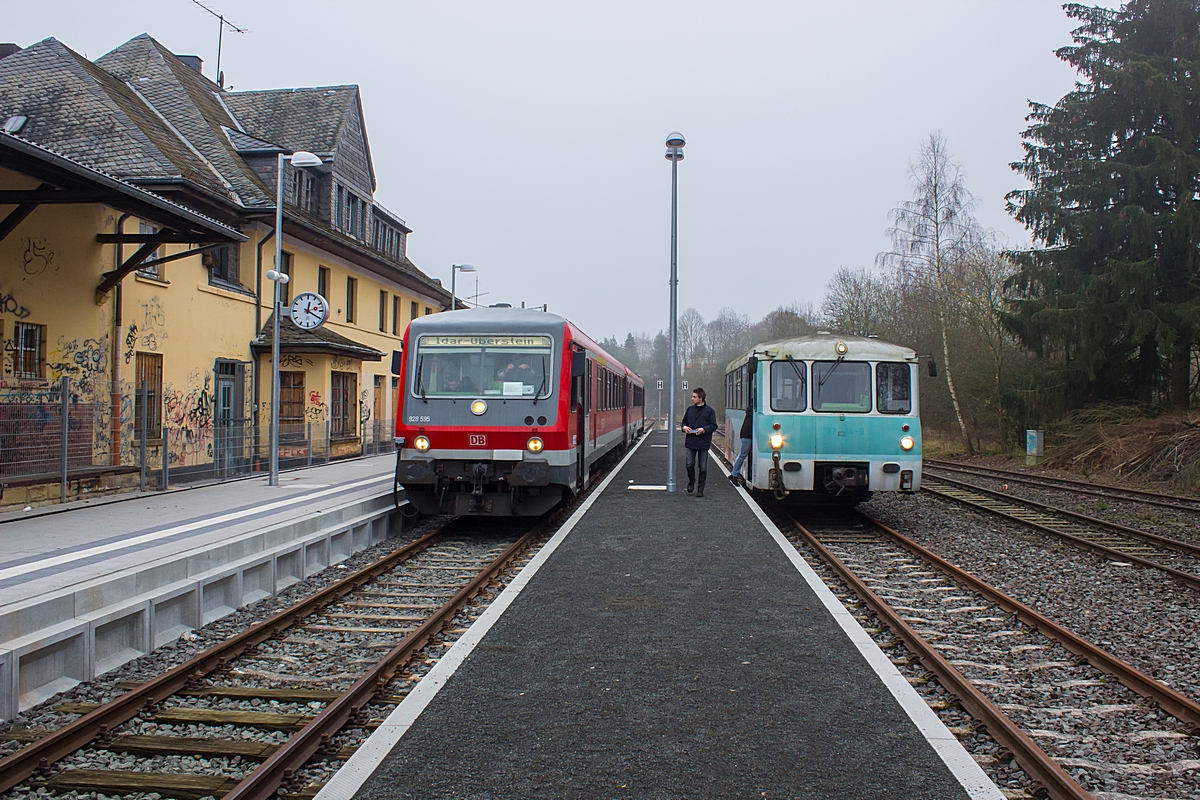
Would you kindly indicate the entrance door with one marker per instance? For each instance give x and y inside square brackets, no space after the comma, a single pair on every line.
[227,417]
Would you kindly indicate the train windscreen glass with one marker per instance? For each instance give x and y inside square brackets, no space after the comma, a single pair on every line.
[841,386]
[483,365]
[893,387]
[788,392]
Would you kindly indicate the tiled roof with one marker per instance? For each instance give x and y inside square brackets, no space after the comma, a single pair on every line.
[244,142]
[189,101]
[82,111]
[322,340]
[298,119]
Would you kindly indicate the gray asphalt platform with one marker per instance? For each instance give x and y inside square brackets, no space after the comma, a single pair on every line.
[669,647]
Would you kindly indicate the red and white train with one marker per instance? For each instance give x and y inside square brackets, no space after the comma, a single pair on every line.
[505,411]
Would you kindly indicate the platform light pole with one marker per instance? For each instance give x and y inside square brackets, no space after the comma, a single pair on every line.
[675,143]
[301,158]
[455,269]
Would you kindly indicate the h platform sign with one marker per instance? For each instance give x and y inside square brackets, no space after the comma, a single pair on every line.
[660,386]
[685,386]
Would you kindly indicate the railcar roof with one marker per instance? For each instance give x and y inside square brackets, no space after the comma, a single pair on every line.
[490,320]
[821,346]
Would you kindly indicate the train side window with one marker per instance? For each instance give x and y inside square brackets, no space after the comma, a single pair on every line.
[893,388]
[788,386]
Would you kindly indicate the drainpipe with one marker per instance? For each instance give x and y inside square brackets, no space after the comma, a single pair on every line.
[258,278]
[116,350]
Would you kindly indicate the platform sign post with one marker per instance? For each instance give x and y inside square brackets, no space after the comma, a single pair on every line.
[675,143]
[1034,447]
[64,439]
[143,392]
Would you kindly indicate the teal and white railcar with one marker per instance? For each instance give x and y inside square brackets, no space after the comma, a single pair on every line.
[835,417]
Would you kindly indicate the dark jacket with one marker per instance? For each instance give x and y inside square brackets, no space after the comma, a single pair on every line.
[699,417]
[747,426]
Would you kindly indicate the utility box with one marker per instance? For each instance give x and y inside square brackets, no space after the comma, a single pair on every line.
[1034,443]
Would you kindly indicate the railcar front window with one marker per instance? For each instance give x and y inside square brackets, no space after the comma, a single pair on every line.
[788,390]
[893,384]
[474,366]
[841,386]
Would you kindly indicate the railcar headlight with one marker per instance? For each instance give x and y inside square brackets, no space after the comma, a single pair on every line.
[421,443]
[907,442]
[535,444]
[841,348]
[478,407]
[776,441]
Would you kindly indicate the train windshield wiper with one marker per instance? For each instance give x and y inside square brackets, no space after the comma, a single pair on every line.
[541,388]
[825,377]
[420,381]
[796,367]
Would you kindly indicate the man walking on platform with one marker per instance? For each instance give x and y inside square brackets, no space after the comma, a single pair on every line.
[699,423]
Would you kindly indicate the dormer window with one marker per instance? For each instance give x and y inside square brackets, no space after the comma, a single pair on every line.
[350,212]
[304,190]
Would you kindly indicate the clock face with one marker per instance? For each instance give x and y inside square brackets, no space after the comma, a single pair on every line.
[309,310]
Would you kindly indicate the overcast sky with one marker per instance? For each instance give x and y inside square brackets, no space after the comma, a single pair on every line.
[527,138]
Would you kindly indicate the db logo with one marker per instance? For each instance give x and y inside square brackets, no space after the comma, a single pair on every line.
[478,440]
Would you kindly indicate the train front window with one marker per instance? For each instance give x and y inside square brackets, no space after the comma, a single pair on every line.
[788,390]
[484,365]
[841,386]
[893,384]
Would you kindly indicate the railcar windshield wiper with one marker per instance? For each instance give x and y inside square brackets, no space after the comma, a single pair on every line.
[825,377]
[542,387]
[420,380]
[796,367]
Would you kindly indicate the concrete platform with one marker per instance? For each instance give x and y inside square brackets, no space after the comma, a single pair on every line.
[663,646]
[88,589]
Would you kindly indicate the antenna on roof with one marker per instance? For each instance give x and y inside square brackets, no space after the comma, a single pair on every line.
[221,26]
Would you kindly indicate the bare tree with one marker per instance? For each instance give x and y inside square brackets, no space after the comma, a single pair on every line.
[727,332]
[856,302]
[691,334]
[932,234]
[785,322]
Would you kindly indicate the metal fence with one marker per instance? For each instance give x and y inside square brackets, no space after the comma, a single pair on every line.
[67,441]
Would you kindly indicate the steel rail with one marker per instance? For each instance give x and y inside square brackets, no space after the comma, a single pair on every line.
[1039,766]
[1146,536]
[1186,578]
[21,765]
[1180,706]
[1131,495]
[264,782]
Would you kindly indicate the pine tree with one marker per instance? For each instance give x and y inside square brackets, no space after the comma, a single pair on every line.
[1111,287]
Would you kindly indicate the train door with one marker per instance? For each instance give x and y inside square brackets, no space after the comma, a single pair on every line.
[580,407]
[624,413]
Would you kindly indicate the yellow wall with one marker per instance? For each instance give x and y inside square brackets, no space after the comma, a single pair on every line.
[49,269]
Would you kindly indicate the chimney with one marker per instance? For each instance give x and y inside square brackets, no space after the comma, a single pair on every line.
[8,48]
[192,61]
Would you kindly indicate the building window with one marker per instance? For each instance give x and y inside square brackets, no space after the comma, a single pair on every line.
[291,404]
[343,404]
[401,245]
[382,311]
[222,264]
[304,190]
[149,371]
[395,315]
[29,343]
[339,205]
[285,289]
[151,270]
[428,311]
[323,282]
[351,299]
[413,311]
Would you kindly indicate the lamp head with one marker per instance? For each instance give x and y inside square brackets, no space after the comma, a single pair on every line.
[303,158]
[464,268]
[675,139]
[674,154]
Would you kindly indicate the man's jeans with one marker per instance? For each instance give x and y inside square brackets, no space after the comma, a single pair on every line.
[743,451]
[690,462]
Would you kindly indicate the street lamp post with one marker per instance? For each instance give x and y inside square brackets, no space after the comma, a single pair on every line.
[300,158]
[675,143]
[454,270]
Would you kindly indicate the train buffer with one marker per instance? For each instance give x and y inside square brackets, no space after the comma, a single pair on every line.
[663,645]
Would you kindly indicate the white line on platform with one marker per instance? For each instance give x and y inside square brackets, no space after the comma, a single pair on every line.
[66,558]
[649,488]
[956,758]
[347,780]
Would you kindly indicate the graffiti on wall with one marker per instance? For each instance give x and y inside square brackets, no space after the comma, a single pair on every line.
[364,408]
[9,304]
[154,321]
[37,258]
[131,341]
[84,361]
[188,414]
[293,360]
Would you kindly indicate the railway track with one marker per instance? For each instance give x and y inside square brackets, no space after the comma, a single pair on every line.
[273,710]
[1177,502]
[1117,542]
[1075,718]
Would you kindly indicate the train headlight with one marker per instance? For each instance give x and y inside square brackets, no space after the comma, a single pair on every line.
[421,443]
[907,443]
[478,407]
[841,348]
[535,444]
[776,441]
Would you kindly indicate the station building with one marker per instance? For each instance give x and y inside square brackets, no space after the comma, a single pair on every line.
[137,216]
